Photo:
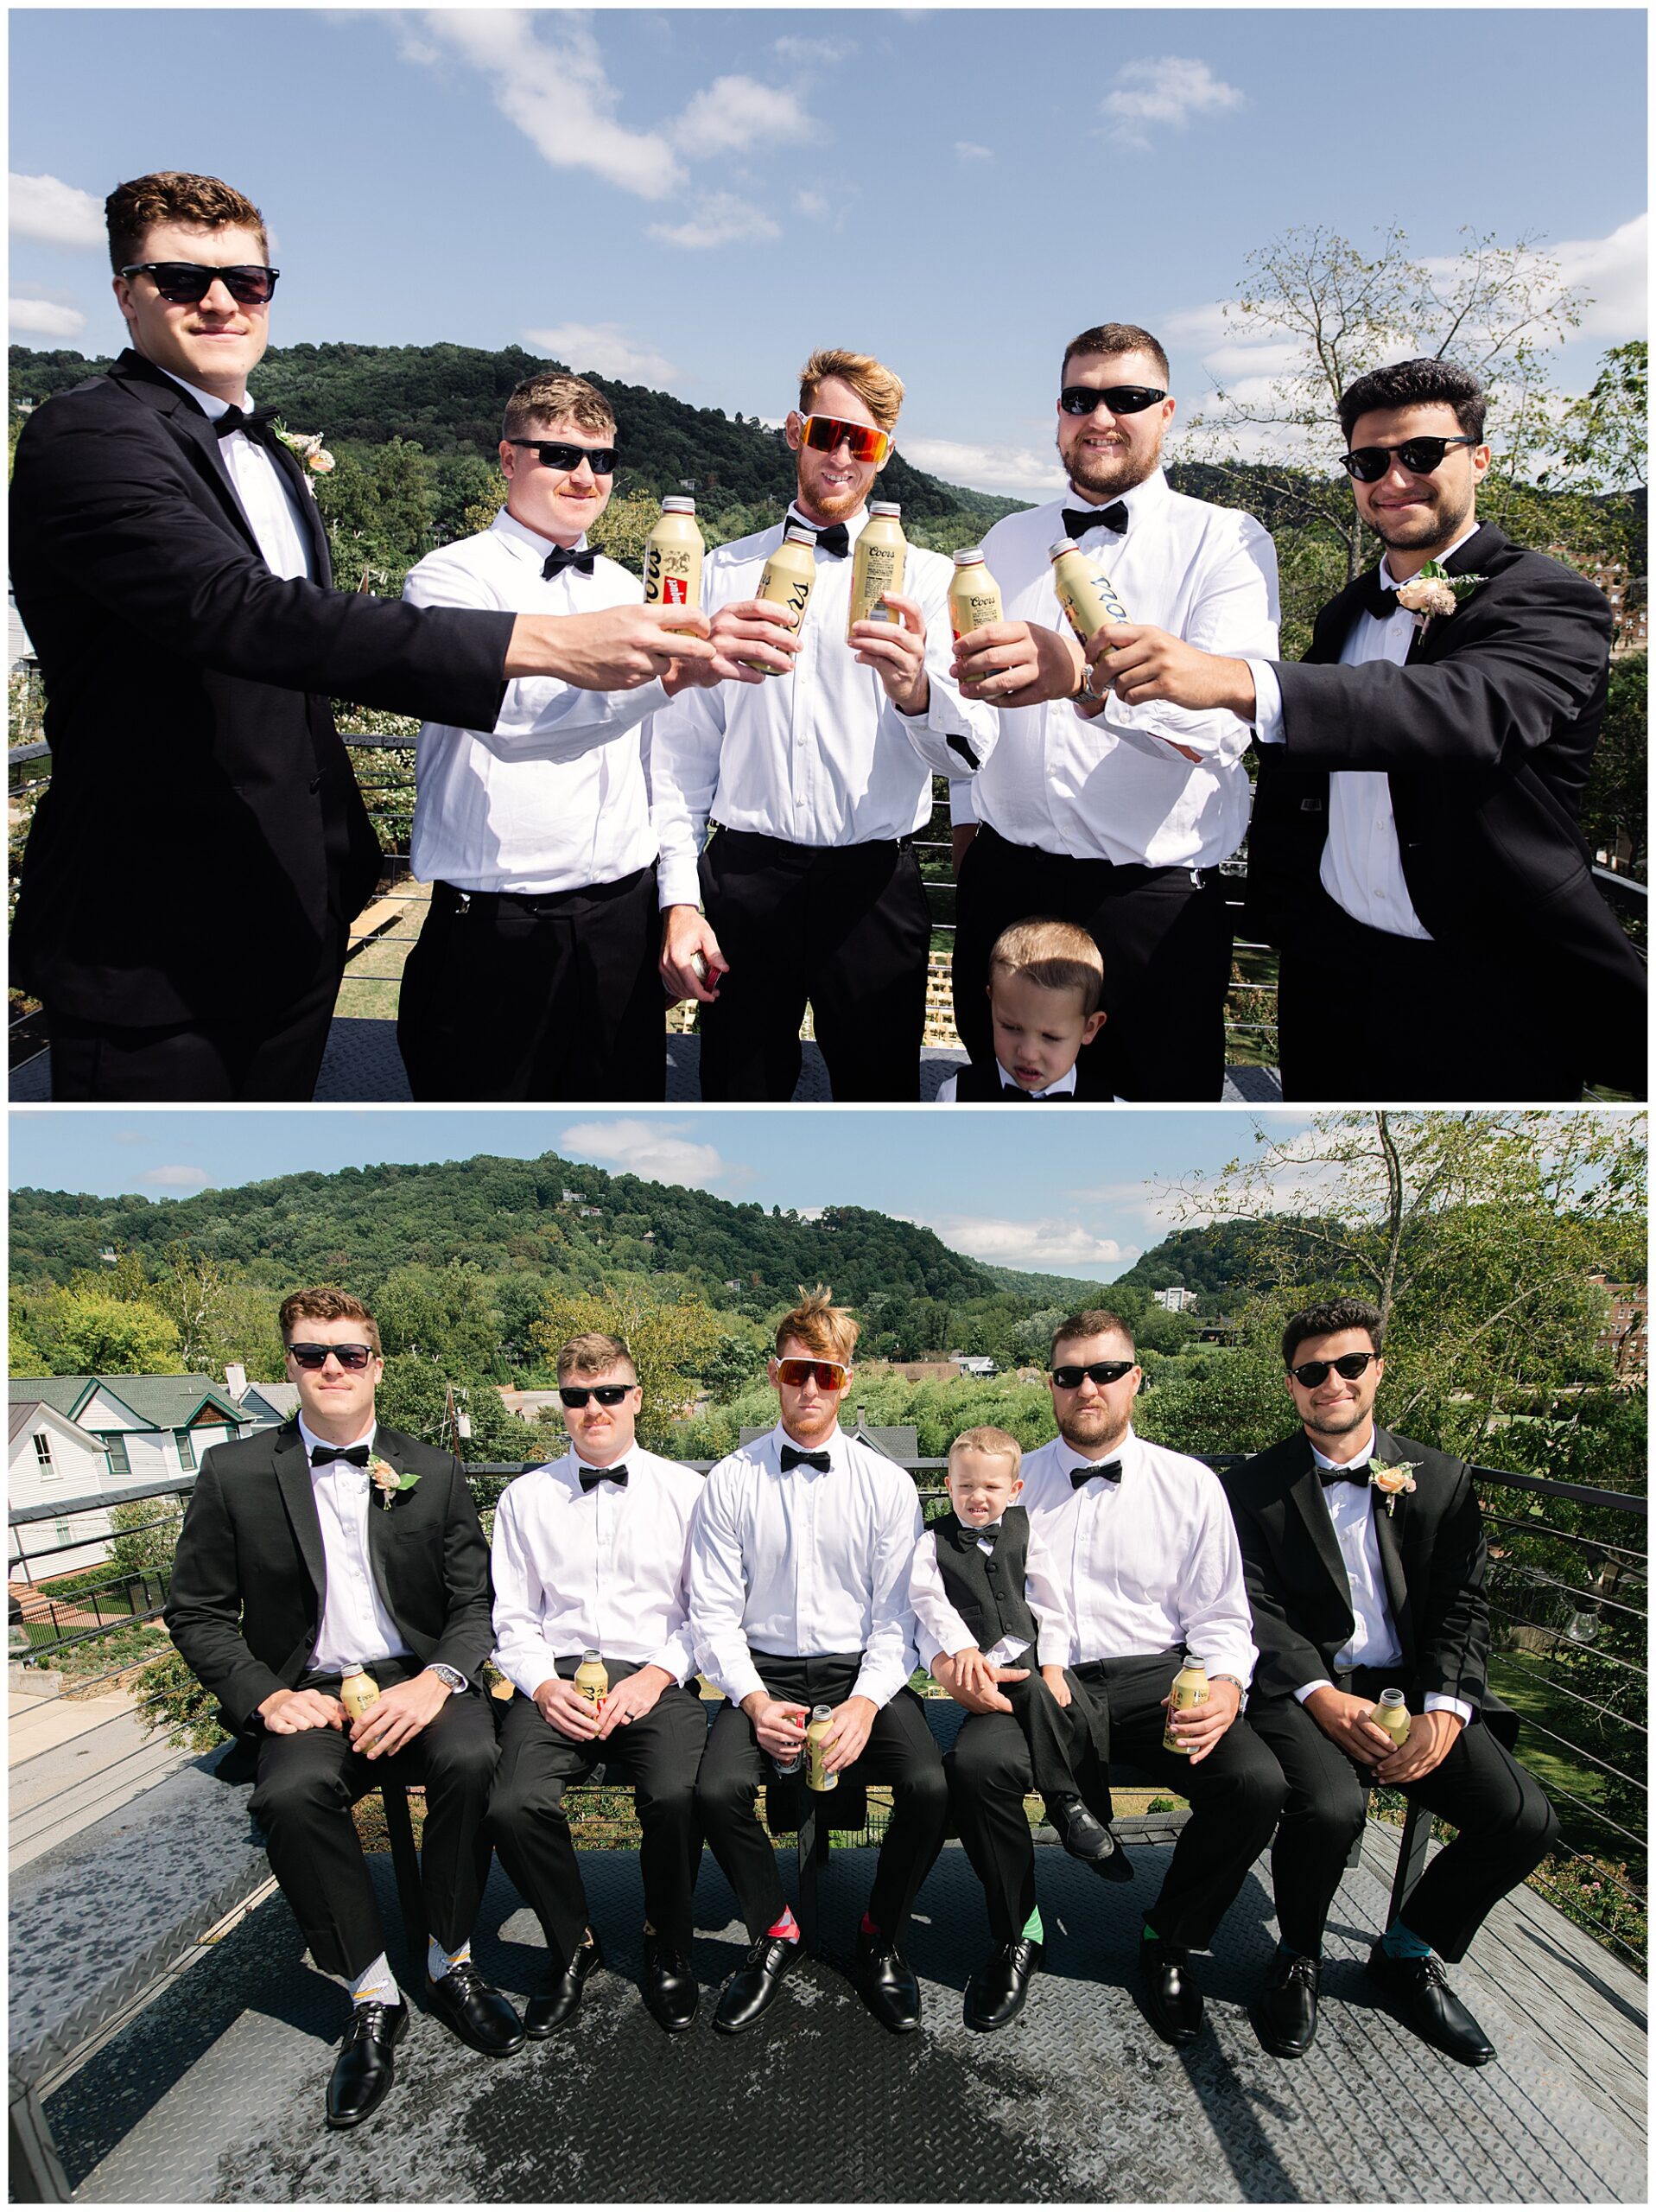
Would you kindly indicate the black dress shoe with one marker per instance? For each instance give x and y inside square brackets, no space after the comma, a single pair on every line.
[754,1985]
[364,2070]
[1284,2017]
[1085,1837]
[545,2014]
[477,2014]
[670,1989]
[1175,2000]
[888,1985]
[1431,2008]
[995,1994]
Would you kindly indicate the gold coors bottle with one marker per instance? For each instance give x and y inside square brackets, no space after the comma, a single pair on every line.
[818,1777]
[877,565]
[1392,1714]
[1085,592]
[672,562]
[973,595]
[789,574]
[1189,1688]
[358,1691]
[592,1678]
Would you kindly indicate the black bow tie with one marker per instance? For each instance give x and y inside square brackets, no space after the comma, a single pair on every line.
[1114,517]
[591,1477]
[834,537]
[321,1455]
[790,1460]
[1375,598]
[565,557]
[990,1528]
[1108,1471]
[255,421]
[1358,1474]
[1030,1098]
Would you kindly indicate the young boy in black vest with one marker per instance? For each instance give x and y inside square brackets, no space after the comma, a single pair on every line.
[1046,980]
[971,1588]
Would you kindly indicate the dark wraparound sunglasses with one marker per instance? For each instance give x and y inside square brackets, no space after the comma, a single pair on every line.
[1419,455]
[1101,1371]
[1314,1372]
[575,1394]
[185,283]
[354,1358]
[796,1373]
[551,455]
[1119,398]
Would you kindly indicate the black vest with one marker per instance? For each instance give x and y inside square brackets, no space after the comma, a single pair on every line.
[976,1086]
[986,1588]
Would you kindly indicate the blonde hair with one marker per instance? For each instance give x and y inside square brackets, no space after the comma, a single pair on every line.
[826,1329]
[548,397]
[992,1444]
[879,389]
[592,1352]
[1055,956]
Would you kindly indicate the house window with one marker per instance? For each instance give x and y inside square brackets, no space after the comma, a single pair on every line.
[185,1449]
[64,1530]
[43,1443]
[115,1445]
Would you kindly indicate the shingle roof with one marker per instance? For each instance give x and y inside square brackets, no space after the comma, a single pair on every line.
[162,1401]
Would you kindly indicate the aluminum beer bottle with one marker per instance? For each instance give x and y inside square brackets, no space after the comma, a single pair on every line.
[592,1678]
[818,1776]
[672,562]
[358,1692]
[973,595]
[1085,592]
[1392,1714]
[1189,1688]
[788,575]
[877,565]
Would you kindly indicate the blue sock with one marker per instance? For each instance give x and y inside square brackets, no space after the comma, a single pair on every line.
[1401,1942]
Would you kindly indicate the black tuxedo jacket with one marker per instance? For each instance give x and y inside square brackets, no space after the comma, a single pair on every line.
[202,846]
[250,1579]
[1432,1556]
[1485,736]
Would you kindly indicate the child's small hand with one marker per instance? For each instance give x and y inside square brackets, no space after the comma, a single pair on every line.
[1053,1677]
[972,1672]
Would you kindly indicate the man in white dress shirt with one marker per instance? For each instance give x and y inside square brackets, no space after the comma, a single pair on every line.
[535,973]
[591,1553]
[1113,817]
[1143,1556]
[817,782]
[799,1582]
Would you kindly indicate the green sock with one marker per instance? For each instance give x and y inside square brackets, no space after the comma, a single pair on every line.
[1150,1936]
[1032,1928]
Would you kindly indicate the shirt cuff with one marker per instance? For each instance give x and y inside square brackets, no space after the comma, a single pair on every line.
[677,882]
[1321,1683]
[1267,702]
[527,1665]
[1436,1702]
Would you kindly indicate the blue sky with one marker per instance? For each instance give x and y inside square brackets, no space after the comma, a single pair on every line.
[693,199]
[1085,1205]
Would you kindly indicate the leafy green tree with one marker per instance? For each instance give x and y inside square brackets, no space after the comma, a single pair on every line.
[622,528]
[671,1333]
[413,1396]
[85,1331]
[444,1313]
[1615,812]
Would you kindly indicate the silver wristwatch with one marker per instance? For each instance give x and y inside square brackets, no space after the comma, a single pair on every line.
[452,1675]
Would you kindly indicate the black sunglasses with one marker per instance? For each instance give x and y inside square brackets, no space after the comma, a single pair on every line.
[550,454]
[1119,398]
[575,1394]
[1419,455]
[185,283]
[354,1358]
[1349,1363]
[1101,1371]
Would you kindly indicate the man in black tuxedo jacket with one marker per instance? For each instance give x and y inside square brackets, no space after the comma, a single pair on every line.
[328,1543]
[195,866]
[1365,1559]
[1414,848]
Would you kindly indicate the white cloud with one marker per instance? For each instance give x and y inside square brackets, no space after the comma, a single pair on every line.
[45,317]
[812,204]
[655,1150]
[965,151]
[720,219]
[1039,1244]
[734,113]
[813,52]
[605,347]
[46,208]
[1614,270]
[1167,90]
[984,468]
[175,1178]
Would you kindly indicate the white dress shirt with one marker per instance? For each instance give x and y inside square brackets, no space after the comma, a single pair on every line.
[821,757]
[356,1628]
[1063,1087]
[556,797]
[1374,1640]
[1362,867]
[1140,1565]
[1111,789]
[604,1570]
[261,489]
[939,1629]
[803,1564]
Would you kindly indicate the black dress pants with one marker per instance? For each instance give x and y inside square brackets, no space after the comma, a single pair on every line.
[1506,1826]
[273,1054]
[844,927]
[900,1750]
[1061,1738]
[541,999]
[308,1782]
[1234,1795]
[1166,936]
[658,1754]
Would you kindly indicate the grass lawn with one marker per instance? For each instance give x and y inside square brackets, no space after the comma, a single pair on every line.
[1552,1766]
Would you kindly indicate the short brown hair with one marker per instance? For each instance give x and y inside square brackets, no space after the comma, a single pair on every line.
[549,397]
[322,1304]
[879,389]
[591,1352]
[1116,338]
[822,1327]
[1095,1321]
[1055,956]
[992,1443]
[133,210]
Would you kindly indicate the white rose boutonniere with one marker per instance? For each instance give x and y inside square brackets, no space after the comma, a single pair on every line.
[1391,1479]
[386,1480]
[307,448]
[1433,591]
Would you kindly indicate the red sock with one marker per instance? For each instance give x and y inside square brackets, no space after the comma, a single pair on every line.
[787,1926]
[868,1927]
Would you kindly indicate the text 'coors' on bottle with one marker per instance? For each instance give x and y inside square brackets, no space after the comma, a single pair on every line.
[788,575]
[816,1748]
[592,1678]
[877,565]
[1189,1689]
[672,562]
[973,595]
[1085,592]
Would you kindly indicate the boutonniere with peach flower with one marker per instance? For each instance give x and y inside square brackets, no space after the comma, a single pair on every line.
[307,449]
[386,1480]
[1432,591]
[1391,1479]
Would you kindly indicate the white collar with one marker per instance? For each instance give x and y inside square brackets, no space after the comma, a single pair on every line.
[1152,492]
[520,535]
[1391,581]
[1129,1443]
[1355,1459]
[780,1436]
[576,1463]
[1061,1089]
[309,1438]
[211,405]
